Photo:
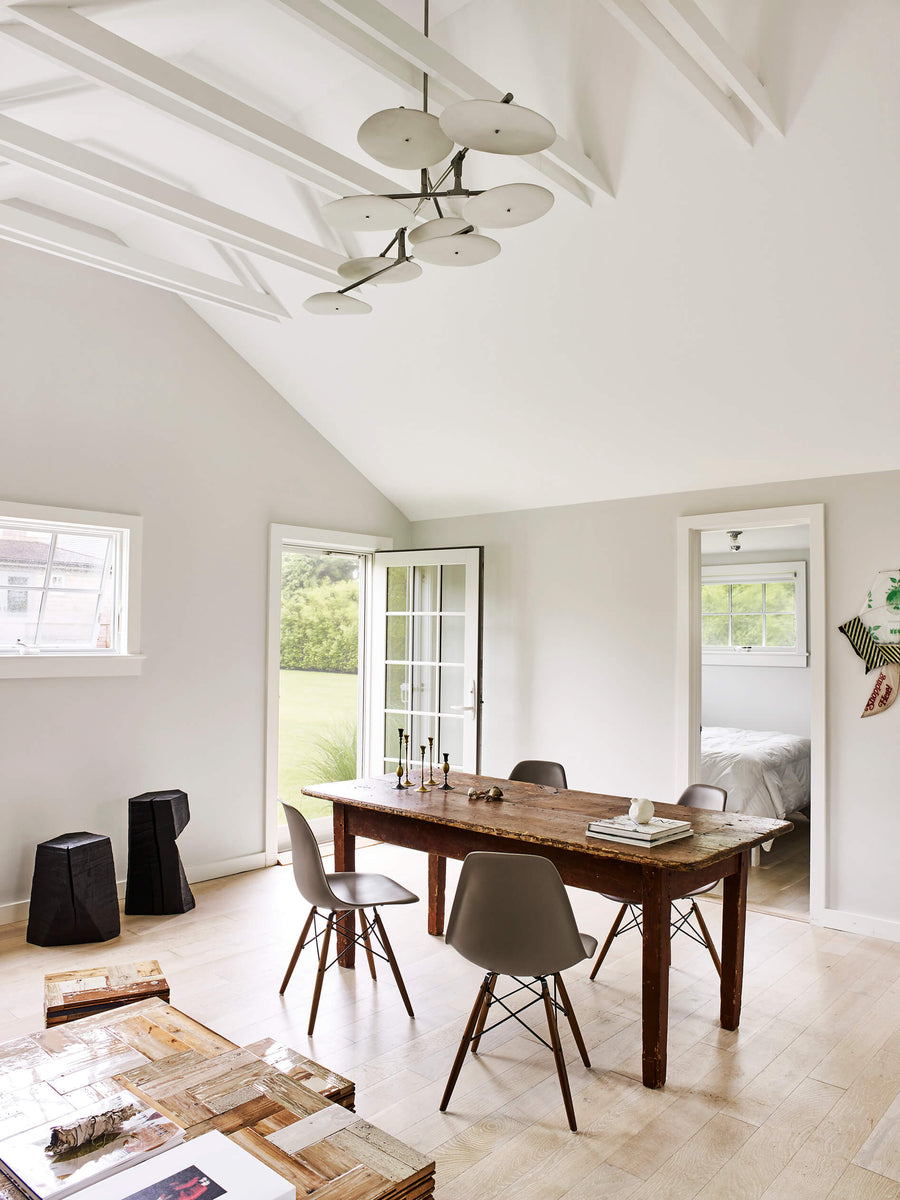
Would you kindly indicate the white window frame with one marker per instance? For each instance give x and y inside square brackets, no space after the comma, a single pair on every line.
[763,656]
[124,658]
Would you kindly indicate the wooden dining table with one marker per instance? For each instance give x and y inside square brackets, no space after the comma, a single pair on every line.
[552,822]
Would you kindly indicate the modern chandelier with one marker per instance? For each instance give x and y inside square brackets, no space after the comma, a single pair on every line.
[408,139]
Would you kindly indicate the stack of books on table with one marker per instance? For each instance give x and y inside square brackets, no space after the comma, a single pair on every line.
[654,833]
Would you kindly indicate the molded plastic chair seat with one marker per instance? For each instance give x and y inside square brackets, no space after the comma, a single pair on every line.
[540,771]
[337,893]
[695,795]
[365,891]
[511,916]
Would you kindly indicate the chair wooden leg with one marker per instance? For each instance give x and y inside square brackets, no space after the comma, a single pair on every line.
[609,940]
[482,1016]
[573,1024]
[320,974]
[296,954]
[558,1055]
[388,949]
[707,937]
[364,921]
[464,1042]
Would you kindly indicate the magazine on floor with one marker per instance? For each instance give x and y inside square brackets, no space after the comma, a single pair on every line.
[61,1157]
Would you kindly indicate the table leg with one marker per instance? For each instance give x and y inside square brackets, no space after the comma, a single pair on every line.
[656,919]
[344,860]
[437,882]
[734,917]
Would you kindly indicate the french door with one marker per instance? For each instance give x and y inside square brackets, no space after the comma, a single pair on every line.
[426,656]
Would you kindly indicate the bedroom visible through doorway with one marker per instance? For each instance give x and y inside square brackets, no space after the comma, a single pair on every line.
[755,737]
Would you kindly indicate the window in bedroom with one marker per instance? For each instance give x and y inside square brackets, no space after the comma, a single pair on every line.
[68,592]
[754,614]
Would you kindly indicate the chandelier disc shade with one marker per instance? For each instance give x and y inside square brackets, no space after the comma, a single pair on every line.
[458,250]
[439,227]
[508,205]
[354,270]
[497,128]
[336,304]
[357,213]
[404,138]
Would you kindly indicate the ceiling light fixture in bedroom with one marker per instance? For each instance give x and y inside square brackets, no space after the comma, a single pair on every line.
[734,534]
[412,140]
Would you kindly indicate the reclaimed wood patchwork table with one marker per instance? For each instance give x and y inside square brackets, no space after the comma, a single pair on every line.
[289,1111]
[533,819]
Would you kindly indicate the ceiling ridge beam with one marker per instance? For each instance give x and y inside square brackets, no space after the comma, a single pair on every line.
[65,36]
[653,35]
[52,237]
[83,168]
[406,54]
[740,78]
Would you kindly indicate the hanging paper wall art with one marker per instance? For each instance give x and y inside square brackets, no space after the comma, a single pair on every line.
[875,636]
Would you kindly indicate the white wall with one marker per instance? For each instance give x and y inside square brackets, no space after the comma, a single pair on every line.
[579,661]
[117,397]
[748,697]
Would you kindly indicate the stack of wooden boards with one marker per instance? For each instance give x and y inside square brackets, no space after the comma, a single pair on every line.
[71,995]
[292,1113]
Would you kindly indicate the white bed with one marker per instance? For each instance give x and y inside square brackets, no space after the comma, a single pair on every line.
[765,774]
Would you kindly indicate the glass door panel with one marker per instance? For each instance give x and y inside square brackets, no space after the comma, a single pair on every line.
[426,676]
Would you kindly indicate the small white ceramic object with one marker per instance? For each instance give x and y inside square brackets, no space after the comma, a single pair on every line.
[641,810]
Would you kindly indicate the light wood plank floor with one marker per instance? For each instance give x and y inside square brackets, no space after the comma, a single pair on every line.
[801,1102]
[780,883]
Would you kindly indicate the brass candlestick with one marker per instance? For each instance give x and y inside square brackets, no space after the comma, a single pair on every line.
[400,761]
[432,782]
[446,786]
[422,787]
[407,782]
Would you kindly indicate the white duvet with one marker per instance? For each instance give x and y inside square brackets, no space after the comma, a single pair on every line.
[764,774]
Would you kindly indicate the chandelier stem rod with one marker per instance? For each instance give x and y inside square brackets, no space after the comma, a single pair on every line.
[425,73]
[350,286]
[462,193]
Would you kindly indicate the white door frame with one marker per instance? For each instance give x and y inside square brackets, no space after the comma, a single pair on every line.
[688,663]
[302,538]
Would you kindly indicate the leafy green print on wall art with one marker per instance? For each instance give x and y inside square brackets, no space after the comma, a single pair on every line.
[892,599]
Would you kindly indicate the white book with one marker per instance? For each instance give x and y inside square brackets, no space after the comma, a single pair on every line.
[655,828]
[204,1168]
[639,841]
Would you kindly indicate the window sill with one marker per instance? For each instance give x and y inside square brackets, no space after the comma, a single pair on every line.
[68,666]
[738,659]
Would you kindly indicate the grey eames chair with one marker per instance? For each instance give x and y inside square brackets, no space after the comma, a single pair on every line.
[538,770]
[695,795]
[335,894]
[511,916]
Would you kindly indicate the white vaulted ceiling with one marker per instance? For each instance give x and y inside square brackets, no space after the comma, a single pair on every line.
[729,317]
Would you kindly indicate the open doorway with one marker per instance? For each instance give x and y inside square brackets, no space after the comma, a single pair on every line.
[756,698]
[318,669]
[751,690]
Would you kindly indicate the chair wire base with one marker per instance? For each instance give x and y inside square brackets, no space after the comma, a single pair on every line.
[554,1002]
[682,922]
[370,927]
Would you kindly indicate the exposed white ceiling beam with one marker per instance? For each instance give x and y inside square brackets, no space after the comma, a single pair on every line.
[40,93]
[408,53]
[94,173]
[652,34]
[739,76]
[67,37]
[52,237]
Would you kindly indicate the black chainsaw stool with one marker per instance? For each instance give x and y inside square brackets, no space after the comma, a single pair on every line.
[157,883]
[73,891]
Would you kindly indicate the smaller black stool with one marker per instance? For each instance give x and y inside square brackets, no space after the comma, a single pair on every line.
[73,891]
[157,883]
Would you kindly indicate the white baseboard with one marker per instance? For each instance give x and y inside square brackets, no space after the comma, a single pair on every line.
[197,873]
[877,927]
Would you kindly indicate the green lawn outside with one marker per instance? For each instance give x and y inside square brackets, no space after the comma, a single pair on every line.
[310,702]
